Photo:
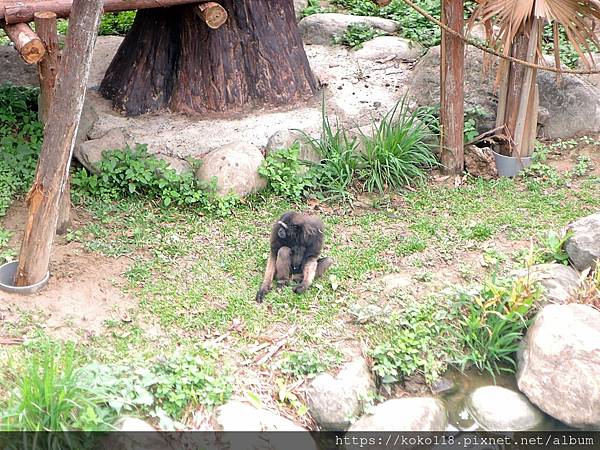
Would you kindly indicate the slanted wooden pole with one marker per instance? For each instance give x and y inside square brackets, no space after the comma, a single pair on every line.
[27,42]
[59,138]
[452,63]
[45,25]
[213,14]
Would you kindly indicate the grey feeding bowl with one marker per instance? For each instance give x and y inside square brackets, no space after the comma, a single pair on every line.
[510,166]
[7,280]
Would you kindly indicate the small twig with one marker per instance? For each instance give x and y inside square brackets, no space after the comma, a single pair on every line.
[11,341]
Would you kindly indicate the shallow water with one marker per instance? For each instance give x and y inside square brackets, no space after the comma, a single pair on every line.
[459,417]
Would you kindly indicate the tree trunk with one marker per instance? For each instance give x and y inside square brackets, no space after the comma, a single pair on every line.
[171,58]
[452,90]
[59,138]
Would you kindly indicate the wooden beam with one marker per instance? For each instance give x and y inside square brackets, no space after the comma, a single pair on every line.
[27,43]
[59,138]
[452,62]
[213,14]
[23,11]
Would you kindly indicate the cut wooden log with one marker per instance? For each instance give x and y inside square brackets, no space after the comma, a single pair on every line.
[452,65]
[59,138]
[23,11]
[213,14]
[26,41]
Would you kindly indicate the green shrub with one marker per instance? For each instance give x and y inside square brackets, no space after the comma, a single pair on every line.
[356,35]
[116,23]
[396,154]
[415,343]
[493,321]
[358,7]
[313,7]
[134,172]
[20,141]
[49,394]
[308,363]
[284,173]
[552,248]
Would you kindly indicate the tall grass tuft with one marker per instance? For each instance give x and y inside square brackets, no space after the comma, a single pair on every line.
[334,174]
[49,395]
[397,154]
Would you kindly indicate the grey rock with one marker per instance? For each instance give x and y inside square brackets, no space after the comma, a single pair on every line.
[286,138]
[480,162]
[584,246]
[235,166]
[335,401]
[104,52]
[559,363]
[559,282]
[132,424]
[404,414]
[14,70]
[89,153]
[179,165]
[573,106]
[240,416]
[321,28]
[383,47]
[443,385]
[86,123]
[499,409]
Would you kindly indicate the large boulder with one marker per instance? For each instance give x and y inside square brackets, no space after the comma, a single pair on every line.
[404,414]
[321,28]
[235,166]
[559,283]
[570,107]
[89,153]
[583,246]
[14,70]
[392,47]
[334,401]
[240,416]
[559,364]
[499,409]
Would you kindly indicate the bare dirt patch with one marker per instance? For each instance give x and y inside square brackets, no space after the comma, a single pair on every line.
[84,291]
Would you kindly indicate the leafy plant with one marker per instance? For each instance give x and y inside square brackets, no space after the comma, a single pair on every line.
[50,395]
[313,7]
[396,154]
[134,172]
[190,380]
[410,245]
[307,363]
[116,23]
[552,248]
[493,320]
[358,7]
[356,35]
[6,254]
[413,25]
[415,343]
[284,174]
[20,141]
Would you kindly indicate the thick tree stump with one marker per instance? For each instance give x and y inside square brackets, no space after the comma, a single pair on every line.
[26,41]
[171,58]
[59,137]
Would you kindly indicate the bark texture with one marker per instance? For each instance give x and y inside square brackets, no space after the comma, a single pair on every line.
[171,58]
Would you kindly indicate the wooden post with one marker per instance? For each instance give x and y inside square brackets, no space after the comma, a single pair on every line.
[213,14]
[59,139]
[45,25]
[452,63]
[26,41]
